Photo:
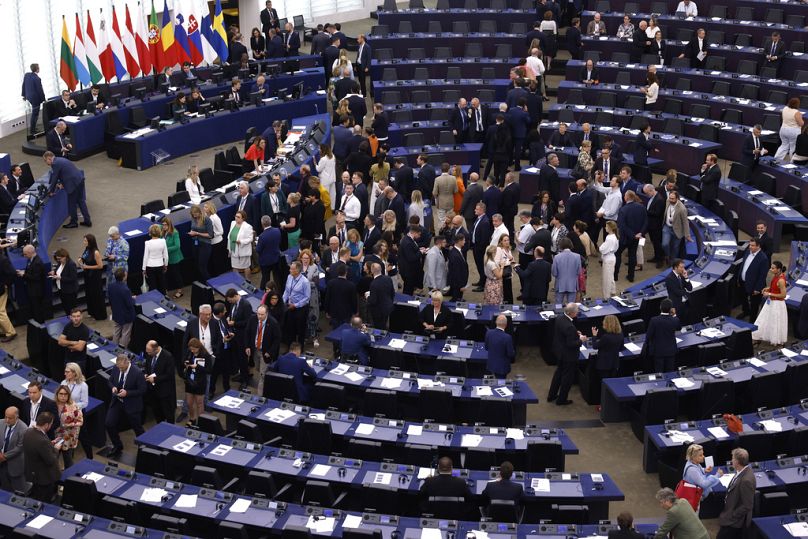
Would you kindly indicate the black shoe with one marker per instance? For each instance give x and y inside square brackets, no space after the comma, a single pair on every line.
[551,399]
[86,223]
[115,453]
[563,403]
[630,279]
[71,225]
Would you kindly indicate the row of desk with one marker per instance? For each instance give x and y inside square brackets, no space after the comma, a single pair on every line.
[438,67]
[456,154]
[796,277]
[398,45]
[781,527]
[234,458]
[759,7]
[420,18]
[433,89]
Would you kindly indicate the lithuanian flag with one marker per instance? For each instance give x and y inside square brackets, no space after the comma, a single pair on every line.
[67,66]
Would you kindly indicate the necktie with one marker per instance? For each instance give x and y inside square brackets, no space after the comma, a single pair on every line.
[606,168]
[341,237]
[479,120]
[242,202]
[773,46]
[260,337]
[121,380]
[288,38]
[9,430]
[153,363]
[344,202]
[757,144]
[462,119]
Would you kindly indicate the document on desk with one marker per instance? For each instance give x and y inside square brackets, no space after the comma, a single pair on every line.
[320,524]
[415,430]
[431,533]
[4,370]
[92,476]
[632,347]
[352,522]
[726,478]
[483,391]
[423,473]
[320,470]
[365,429]
[240,506]
[471,440]
[397,344]
[39,522]
[462,311]
[718,433]
[184,446]
[134,232]
[683,383]
[503,392]
[391,383]
[771,425]
[532,170]
[221,450]
[788,352]
[354,376]
[515,434]
[227,401]
[187,501]
[540,484]
[755,362]
[796,529]
[715,371]
[90,347]
[153,495]
[278,415]
[382,478]
[340,369]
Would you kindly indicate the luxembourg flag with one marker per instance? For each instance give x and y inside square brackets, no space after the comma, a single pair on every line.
[142,41]
[118,54]
[130,47]
[80,56]
[93,62]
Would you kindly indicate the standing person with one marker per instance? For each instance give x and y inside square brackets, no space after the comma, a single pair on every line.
[566,344]
[75,382]
[535,278]
[326,170]
[363,57]
[679,287]
[457,277]
[410,266]
[526,232]
[789,129]
[34,275]
[607,252]
[116,252]
[269,251]
[752,280]
[680,520]
[41,459]
[493,277]
[159,369]
[201,233]
[196,364]
[660,337]
[608,343]
[269,18]
[296,295]
[33,93]
[772,322]
[239,244]
[174,272]
[218,246]
[698,476]
[566,267]
[380,297]
[66,175]
[291,228]
[12,460]
[675,226]
[291,40]
[340,298]
[74,338]
[736,518]
[632,222]
[67,279]
[481,232]
[311,271]
[655,208]
[35,404]
[7,277]
[263,342]
[123,309]
[155,259]
[127,387]
[443,191]
[504,259]
[499,345]
[710,179]
[93,266]
[435,266]
[70,421]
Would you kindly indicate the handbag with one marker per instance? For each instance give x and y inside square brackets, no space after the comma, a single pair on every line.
[689,492]
[734,423]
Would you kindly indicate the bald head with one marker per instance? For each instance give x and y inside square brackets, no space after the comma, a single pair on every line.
[502,321]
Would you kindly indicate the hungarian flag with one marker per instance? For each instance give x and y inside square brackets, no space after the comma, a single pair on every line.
[67,67]
[142,42]
[91,47]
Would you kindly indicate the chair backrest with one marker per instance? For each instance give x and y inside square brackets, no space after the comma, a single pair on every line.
[436,27]
[280,386]
[391,97]
[502,50]
[744,13]
[79,494]
[314,435]
[180,197]
[683,85]
[365,450]
[473,50]
[384,54]
[715,36]
[495,412]
[733,116]
[405,27]
[421,73]
[441,115]
[738,172]
[402,116]
[777,97]
[414,139]
[318,493]
[797,46]
[503,511]
[447,138]
[607,99]
[206,476]
[487,95]
[623,78]
[708,132]
[518,28]
[673,106]
[766,390]
[634,102]
[714,396]
[416,4]
[774,16]
[380,402]
[291,531]
[621,57]
[460,27]
[592,55]
[138,116]
[488,26]
[416,54]
[327,395]
[718,11]
[152,206]
[449,507]
[715,63]
[544,454]
[743,40]
[437,404]
[797,382]
[299,22]
[381,30]
[390,5]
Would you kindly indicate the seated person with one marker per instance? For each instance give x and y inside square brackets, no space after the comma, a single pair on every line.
[179,104]
[589,73]
[196,98]
[295,366]
[95,97]
[436,318]
[561,138]
[65,106]
[57,140]
[444,484]
[355,342]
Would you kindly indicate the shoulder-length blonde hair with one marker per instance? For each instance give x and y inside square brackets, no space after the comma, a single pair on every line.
[611,324]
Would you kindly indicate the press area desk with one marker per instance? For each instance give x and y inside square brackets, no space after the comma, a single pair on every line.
[457,154]
[701,80]
[760,32]
[759,7]
[420,18]
[179,139]
[235,458]
[135,230]
[753,111]
[87,132]
[775,527]
[436,87]
[659,442]
[27,516]
[608,45]
[399,44]
[438,67]
[618,394]
[730,136]
[281,419]
[687,154]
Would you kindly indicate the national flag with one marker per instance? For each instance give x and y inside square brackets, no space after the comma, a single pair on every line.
[181,48]
[129,46]
[219,35]
[118,52]
[67,67]
[91,47]
[207,34]
[105,55]
[167,37]
[190,8]
[80,56]
[142,42]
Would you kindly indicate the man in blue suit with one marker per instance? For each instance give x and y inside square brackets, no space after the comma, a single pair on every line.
[678,287]
[269,251]
[660,338]
[355,342]
[518,119]
[632,222]
[492,197]
[291,40]
[33,93]
[67,176]
[643,146]
[503,488]
[481,232]
[500,349]
[128,386]
[754,270]
[363,57]
[342,138]
[295,366]
[752,149]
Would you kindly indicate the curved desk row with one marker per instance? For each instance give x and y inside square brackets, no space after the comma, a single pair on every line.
[235,458]
[421,18]
[438,67]
[759,7]
[399,45]
[457,154]
[797,276]
[785,174]
[433,88]
[782,527]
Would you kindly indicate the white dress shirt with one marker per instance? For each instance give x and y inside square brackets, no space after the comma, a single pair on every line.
[499,231]
[690,10]
[351,206]
[195,190]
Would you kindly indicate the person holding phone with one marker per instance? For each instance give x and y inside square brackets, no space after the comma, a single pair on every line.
[41,459]
[71,419]
[197,362]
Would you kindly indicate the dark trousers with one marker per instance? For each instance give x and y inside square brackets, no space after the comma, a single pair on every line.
[202,251]
[563,378]
[155,278]
[223,367]
[410,284]
[507,290]
[500,166]
[162,407]
[725,532]
[479,261]
[297,321]
[365,80]
[518,150]
[39,310]
[656,240]
[380,319]
[78,198]
[266,271]
[631,245]
[69,300]
[34,118]
[664,363]
[114,414]
[750,303]
[43,493]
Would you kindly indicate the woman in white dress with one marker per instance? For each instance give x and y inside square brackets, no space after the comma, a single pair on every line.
[193,185]
[327,171]
[772,322]
[607,250]
[239,244]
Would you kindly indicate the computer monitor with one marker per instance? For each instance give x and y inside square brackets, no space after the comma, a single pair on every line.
[140,92]
[154,123]
[90,108]
[190,82]
[256,98]
[206,109]
[244,73]
[215,102]
[297,91]
[164,86]
[230,104]
[217,76]
[147,82]
[272,70]
[281,93]
[291,66]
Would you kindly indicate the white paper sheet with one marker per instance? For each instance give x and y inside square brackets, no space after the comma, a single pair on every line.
[431,533]
[152,495]
[321,524]
[92,476]
[39,522]
[221,450]
[516,434]
[382,478]
[352,522]
[632,347]
[354,376]
[718,432]
[391,383]
[772,426]
[788,353]
[755,362]
[423,473]
[187,501]
[471,440]
[683,383]
[483,391]
[320,470]
[797,529]
[278,415]
[365,429]
[240,506]
[397,344]
[540,484]
[415,430]
[726,478]
[709,461]
[184,446]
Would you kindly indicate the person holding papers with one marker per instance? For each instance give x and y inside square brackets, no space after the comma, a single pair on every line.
[660,338]
[772,322]
[698,476]
[197,363]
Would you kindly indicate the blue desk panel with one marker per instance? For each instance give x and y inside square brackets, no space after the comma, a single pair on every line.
[420,18]
[759,7]
[458,154]
[400,44]
[438,67]
[773,527]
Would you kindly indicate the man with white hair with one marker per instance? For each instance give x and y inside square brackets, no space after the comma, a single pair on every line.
[34,276]
[499,229]
[245,201]
[57,141]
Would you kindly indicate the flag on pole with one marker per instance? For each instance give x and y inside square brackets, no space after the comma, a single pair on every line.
[105,55]
[155,44]
[142,41]
[181,48]
[129,46]
[80,56]
[219,35]
[118,53]
[67,67]
[193,16]
[167,37]
[207,33]
[91,47]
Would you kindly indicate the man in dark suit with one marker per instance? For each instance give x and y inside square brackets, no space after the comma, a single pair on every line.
[710,179]
[774,51]
[426,176]
[459,120]
[548,177]
[354,342]
[33,93]
[224,363]
[764,239]
[481,232]
[535,278]
[473,195]
[364,55]
[295,366]
[492,197]
[589,74]
[236,50]
[7,198]
[269,251]
[340,298]
[500,349]
[632,222]
[679,288]
[458,273]
[655,209]
[444,484]
[66,106]
[752,279]
[510,201]
[321,40]
[435,318]
[35,404]
[625,528]
[372,233]
[380,297]
[736,517]
[410,263]
[269,18]
[262,339]
[561,138]
[540,238]
[330,55]
[660,338]
[574,42]
[41,458]
[697,50]
[535,33]
[12,460]
[239,312]
[17,183]
[245,202]
[161,387]
[343,87]
[56,140]
[608,164]
[291,40]
[640,42]
[403,178]
[128,387]
[275,46]
[71,179]
[503,488]
[518,121]
[34,276]
[202,328]
[478,121]
[643,146]
[396,205]
[566,344]
[752,149]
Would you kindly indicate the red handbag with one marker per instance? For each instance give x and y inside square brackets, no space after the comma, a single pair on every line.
[734,423]
[689,492]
